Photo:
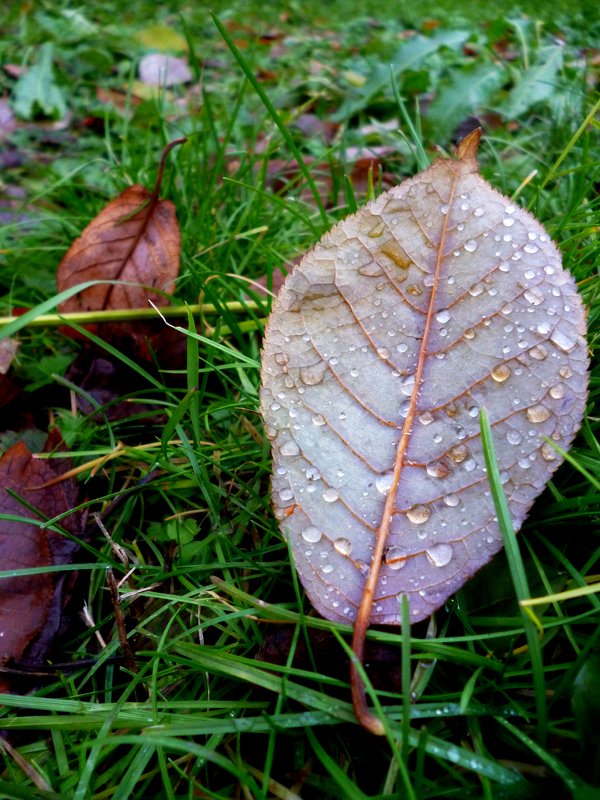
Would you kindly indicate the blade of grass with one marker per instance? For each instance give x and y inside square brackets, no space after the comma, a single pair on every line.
[415,141]
[246,69]
[517,571]
[571,781]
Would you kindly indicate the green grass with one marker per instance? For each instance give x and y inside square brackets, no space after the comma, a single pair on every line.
[240,690]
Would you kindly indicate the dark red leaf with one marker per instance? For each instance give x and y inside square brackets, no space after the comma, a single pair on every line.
[31,606]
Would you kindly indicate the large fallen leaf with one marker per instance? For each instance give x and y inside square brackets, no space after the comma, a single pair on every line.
[435,300]
[31,605]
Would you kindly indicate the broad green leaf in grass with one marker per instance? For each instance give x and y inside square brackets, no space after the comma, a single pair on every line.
[471,90]
[437,299]
[409,56]
[36,92]
[536,84]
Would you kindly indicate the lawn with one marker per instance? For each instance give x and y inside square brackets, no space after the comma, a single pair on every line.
[173,651]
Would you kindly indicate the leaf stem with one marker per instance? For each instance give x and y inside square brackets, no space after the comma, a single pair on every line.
[161,165]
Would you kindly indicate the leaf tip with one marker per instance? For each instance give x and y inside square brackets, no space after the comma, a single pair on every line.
[467,147]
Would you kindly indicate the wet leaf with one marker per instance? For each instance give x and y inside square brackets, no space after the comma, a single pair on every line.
[8,124]
[36,92]
[161,37]
[158,69]
[31,606]
[537,83]
[8,350]
[471,91]
[436,299]
[136,239]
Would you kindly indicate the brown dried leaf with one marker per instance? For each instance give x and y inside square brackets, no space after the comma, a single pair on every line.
[31,606]
[435,300]
[135,238]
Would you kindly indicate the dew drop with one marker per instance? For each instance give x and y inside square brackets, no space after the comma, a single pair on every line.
[343,546]
[470,246]
[557,392]
[470,464]
[418,514]
[330,495]
[451,410]
[286,495]
[539,352]
[439,555]
[426,418]
[313,374]
[281,359]
[562,341]
[443,315]
[384,483]
[289,448]
[395,558]
[444,209]
[565,372]
[451,500]
[469,333]
[376,231]
[548,452]
[312,474]
[508,222]
[407,385]
[458,453]
[438,469]
[531,248]
[479,212]
[529,274]
[319,420]
[370,270]
[311,534]
[513,437]
[534,296]
[537,413]
[383,352]
[524,463]
[402,348]
[327,568]
[501,372]
[477,289]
